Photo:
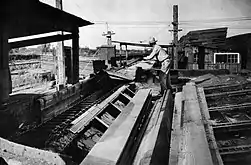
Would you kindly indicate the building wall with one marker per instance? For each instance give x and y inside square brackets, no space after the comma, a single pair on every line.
[248,62]
[192,54]
[189,52]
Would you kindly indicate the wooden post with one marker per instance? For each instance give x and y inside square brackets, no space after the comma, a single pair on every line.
[120,54]
[5,80]
[75,56]
[126,54]
[60,53]
[175,36]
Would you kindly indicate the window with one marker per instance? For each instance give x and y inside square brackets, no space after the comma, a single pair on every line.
[221,58]
[226,58]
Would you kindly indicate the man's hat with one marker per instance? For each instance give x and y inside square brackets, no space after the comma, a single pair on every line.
[152,40]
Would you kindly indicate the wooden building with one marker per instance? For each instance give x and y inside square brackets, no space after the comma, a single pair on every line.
[202,47]
[32,17]
[241,44]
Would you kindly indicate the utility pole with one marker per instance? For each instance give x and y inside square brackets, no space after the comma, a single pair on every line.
[108,35]
[175,36]
[60,53]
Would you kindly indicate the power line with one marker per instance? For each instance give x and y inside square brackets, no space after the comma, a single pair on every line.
[218,20]
[181,22]
[234,19]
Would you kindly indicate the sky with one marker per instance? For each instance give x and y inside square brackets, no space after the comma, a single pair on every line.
[137,20]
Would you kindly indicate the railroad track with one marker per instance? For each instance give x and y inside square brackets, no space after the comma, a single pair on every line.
[38,136]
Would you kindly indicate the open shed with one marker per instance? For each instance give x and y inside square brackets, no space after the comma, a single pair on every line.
[32,17]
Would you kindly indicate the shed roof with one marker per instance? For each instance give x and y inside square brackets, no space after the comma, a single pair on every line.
[31,17]
[214,38]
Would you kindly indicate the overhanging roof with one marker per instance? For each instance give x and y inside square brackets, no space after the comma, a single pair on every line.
[31,17]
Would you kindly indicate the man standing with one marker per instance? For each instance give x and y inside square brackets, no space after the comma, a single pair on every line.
[163,64]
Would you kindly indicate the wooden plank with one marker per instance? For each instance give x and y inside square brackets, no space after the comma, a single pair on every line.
[99,120]
[210,134]
[229,107]
[160,155]
[138,44]
[116,107]
[130,91]
[240,92]
[117,75]
[176,126]
[203,78]
[108,150]
[41,40]
[126,96]
[194,148]
[150,136]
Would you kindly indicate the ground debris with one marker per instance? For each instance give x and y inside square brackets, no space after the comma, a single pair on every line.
[221,80]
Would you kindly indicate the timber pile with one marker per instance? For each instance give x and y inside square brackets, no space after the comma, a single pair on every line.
[228,100]
[222,79]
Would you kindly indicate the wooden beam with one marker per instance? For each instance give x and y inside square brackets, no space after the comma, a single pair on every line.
[75,56]
[101,122]
[193,138]
[41,40]
[5,81]
[139,44]
[116,107]
[60,54]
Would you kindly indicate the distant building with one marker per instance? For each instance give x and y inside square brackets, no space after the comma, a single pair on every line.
[201,48]
[241,44]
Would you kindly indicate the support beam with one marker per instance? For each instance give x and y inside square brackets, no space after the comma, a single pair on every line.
[235,150]
[126,53]
[117,108]
[5,80]
[231,93]
[101,122]
[120,52]
[229,107]
[175,36]
[75,57]
[60,53]
[193,138]
[232,127]
[38,41]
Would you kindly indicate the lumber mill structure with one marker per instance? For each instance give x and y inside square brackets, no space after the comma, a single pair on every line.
[116,115]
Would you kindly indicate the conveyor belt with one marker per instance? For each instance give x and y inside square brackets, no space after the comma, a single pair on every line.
[38,136]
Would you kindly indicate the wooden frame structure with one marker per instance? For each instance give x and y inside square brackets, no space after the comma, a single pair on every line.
[32,17]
